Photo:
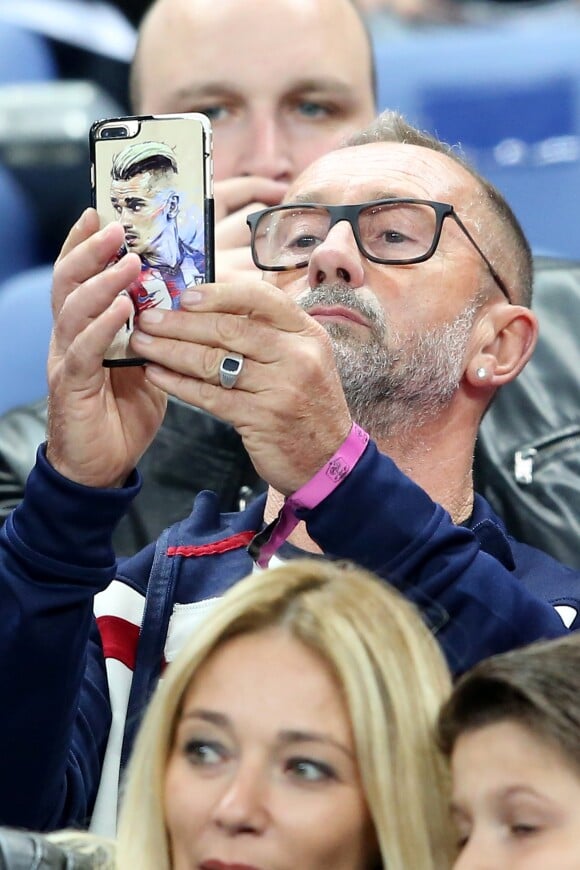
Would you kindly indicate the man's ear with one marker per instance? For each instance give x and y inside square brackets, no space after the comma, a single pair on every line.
[507,337]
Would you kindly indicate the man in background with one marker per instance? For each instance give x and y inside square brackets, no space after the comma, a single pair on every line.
[282,83]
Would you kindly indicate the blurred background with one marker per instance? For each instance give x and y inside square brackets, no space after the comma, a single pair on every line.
[503,81]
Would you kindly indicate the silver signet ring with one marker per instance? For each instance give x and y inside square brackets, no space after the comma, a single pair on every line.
[230,369]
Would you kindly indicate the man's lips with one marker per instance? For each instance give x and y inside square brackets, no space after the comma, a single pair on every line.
[337,312]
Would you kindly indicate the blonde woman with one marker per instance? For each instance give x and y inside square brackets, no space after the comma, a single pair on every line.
[295,730]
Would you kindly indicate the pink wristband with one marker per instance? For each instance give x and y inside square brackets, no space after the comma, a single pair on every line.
[315,490]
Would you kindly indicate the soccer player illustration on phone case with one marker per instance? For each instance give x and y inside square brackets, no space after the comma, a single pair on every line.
[145,197]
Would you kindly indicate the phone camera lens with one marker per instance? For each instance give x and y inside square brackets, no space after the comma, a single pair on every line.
[114,133]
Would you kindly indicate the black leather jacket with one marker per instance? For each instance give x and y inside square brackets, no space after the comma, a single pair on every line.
[527,460]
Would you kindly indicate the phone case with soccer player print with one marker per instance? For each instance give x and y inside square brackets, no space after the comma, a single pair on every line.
[153,174]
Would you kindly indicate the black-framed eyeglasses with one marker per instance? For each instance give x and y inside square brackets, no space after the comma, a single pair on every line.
[393,231]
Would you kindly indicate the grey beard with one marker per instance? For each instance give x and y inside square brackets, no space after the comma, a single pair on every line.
[392,384]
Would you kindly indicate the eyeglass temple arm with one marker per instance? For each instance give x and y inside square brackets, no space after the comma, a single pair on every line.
[494,274]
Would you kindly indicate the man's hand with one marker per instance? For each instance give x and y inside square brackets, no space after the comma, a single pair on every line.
[100,420]
[287,404]
[236,198]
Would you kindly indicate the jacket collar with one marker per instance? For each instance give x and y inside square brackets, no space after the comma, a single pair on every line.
[491,532]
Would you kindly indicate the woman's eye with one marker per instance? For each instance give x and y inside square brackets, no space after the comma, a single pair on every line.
[523,830]
[203,752]
[310,771]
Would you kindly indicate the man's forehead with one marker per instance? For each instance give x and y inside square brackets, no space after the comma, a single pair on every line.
[320,32]
[170,14]
[381,169]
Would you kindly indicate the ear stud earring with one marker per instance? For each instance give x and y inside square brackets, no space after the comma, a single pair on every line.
[481,373]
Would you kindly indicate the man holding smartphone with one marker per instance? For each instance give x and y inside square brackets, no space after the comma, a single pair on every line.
[397,305]
[282,82]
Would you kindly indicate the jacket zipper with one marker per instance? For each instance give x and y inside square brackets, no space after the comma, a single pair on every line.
[526,459]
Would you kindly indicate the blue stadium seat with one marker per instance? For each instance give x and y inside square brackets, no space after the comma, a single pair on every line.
[25,325]
[25,56]
[19,230]
[509,93]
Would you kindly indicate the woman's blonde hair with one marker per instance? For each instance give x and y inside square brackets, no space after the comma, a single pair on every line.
[393,677]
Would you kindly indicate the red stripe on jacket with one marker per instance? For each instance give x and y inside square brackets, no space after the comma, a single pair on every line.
[119,638]
[242,539]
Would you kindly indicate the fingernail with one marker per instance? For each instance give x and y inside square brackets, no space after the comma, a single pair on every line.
[109,230]
[82,221]
[191,297]
[150,368]
[141,337]
[151,315]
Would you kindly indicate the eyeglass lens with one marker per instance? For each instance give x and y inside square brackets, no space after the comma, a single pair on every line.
[389,232]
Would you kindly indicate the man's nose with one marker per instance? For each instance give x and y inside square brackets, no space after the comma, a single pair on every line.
[337,258]
[242,807]
[266,150]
